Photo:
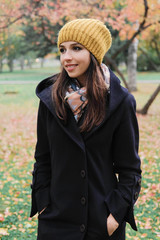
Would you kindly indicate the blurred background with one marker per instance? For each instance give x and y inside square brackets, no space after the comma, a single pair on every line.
[28,54]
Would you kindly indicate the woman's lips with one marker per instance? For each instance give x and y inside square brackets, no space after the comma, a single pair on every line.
[70,67]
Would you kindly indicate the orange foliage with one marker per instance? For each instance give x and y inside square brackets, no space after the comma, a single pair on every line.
[124,16]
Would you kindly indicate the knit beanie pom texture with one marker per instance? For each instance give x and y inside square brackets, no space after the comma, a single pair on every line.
[91,33]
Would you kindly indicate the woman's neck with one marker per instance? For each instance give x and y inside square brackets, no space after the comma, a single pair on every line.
[82,81]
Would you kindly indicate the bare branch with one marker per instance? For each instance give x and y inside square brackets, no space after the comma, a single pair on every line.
[144,110]
[11,22]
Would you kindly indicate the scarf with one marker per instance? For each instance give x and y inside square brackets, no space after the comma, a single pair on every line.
[76,96]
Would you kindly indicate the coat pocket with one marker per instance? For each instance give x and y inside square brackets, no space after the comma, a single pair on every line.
[118,234]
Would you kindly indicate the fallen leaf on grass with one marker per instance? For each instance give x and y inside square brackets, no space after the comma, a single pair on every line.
[3,231]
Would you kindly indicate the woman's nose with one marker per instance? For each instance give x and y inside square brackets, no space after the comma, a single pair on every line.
[67,56]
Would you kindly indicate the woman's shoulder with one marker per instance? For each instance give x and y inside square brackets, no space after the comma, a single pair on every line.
[45,83]
[129,101]
[119,95]
[44,90]
[117,90]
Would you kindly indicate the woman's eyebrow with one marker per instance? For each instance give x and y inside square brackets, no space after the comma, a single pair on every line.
[76,44]
[73,44]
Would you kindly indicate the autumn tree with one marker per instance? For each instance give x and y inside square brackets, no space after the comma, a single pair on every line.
[46,17]
[121,16]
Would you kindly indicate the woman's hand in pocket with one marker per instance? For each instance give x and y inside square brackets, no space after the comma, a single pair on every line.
[42,210]
[112,224]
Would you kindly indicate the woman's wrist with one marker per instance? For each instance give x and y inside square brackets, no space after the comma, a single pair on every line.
[42,210]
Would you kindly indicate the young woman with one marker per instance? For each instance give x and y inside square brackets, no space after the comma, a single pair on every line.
[87,174]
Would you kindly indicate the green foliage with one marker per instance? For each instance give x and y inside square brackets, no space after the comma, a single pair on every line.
[36,41]
[144,64]
[149,53]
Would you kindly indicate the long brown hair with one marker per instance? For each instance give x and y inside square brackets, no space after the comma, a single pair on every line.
[96,95]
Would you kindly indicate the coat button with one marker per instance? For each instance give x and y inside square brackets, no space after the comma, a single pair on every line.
[83,173]
[136,195]
[83,200]
[82,228]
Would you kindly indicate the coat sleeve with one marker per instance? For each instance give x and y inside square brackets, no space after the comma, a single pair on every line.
[126,164]
[41,172]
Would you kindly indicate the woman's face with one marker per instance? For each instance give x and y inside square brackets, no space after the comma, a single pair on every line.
[75,59]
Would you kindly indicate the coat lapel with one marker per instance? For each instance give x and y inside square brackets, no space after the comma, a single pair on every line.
[70,127]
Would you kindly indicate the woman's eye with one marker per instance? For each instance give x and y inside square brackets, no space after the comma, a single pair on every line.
[77,48]
[61,50]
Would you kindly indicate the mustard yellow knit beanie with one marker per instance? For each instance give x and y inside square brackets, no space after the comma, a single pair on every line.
[91,33]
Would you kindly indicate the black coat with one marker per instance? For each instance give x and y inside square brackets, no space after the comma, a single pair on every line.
[84,177]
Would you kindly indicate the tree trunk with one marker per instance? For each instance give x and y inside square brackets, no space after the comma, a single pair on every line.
[1,65]
[22,62]
[144,110]
[42,62]
[10,65]
[132,65]
[29,63]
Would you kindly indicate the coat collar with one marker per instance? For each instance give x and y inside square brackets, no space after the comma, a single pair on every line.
[117,94]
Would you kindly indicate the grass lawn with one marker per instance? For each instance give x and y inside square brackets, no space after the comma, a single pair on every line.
[35,74]
[18,94]
[18,111]
[148,76]
[38,74]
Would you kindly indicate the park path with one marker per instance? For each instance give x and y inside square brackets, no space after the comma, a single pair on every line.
[19,82]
